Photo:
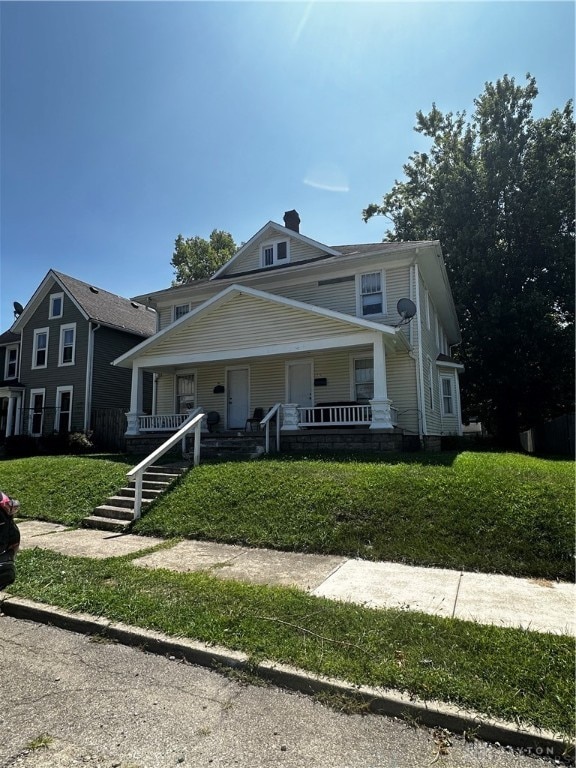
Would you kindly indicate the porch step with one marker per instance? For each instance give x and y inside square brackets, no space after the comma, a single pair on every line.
[105,523]
[117,513]
[233,446]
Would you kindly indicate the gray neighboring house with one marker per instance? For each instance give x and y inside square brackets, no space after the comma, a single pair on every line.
[55,372]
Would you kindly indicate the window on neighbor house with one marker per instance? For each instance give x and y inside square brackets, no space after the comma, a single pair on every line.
[63,409]
[180,310]
[276,252]
[40,348]
[371,294]
[447,396]
[185,393]
[67,344]
[56,305]
[363,379]
[36,411]
[11,368]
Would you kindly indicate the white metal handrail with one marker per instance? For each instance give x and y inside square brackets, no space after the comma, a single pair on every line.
[273,412]
[193,422]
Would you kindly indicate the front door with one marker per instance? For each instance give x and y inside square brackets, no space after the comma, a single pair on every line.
[238,397]
[300,383]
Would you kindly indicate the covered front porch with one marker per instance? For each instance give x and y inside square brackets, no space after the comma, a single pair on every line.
[247,358]
[11,400]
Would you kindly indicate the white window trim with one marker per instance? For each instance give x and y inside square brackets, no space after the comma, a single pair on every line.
[353,359]
[427,308]
[59,392]
[181,374]
[11,348]
[63,329]
[359,312]
[33,393]
[51,315]
[178,306]
[444,377]
[274,245]
[35,349]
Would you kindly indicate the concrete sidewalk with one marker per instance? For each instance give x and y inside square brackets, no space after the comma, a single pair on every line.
[534,604]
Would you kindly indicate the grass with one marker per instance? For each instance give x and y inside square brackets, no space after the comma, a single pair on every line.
[63,489]
[504,513]
[521,676]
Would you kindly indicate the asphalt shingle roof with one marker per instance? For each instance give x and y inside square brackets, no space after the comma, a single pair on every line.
[109,309]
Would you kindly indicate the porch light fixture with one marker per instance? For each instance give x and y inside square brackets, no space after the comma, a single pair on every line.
[218,389]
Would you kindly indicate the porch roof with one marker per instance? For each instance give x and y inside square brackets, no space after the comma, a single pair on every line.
[240,321]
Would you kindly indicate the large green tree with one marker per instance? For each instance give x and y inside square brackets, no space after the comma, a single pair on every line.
[497,190]
[195,258]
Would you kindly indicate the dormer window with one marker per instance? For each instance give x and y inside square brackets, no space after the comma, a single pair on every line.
[56,305]
[275,252]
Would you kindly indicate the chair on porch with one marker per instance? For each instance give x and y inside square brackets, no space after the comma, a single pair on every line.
[256,418]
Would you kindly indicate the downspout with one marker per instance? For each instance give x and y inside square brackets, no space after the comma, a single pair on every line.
[420,371]
[89,371]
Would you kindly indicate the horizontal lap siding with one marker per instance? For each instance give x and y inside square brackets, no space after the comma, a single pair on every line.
[450,423]
[245,322]
[251,259]
[339,297]
[401,376]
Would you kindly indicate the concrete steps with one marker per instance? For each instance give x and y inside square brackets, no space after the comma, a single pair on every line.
[233,446]
[117,513]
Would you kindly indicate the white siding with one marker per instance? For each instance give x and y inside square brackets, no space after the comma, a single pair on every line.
[244,322]
[401,375]
[251,259]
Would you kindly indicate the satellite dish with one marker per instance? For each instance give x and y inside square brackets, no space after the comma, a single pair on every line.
[406,309]
[18,309]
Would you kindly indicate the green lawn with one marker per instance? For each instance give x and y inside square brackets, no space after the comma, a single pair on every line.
[490,512]
[521,676]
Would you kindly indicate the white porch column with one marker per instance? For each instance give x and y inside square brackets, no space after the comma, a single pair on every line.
[290,420]
[136,399]
[10,416]
[381,416]
[18,421]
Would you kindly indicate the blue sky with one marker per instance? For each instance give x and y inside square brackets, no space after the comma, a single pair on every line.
[126,123]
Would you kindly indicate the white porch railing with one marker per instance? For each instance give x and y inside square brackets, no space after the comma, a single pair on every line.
[167,422]
[335,415]
[193,422]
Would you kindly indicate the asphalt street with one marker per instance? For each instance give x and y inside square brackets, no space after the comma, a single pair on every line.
[69,700]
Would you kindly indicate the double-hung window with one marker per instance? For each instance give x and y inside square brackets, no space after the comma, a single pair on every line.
[11,369]
[185,393]
[275,252]
[36,420]
[63,409]
[67,352]
[40,348]
[447,396]
[371,294]
[363,379]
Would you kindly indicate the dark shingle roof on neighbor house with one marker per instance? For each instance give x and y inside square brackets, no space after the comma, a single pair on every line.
[108,309]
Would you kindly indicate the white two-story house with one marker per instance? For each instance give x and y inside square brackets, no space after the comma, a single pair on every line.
[314,331]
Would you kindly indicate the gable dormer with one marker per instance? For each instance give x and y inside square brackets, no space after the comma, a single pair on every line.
[274,246]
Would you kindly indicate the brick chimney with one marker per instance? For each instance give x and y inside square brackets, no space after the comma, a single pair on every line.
[292,221]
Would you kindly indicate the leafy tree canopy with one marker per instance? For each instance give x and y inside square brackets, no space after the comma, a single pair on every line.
[195,258]
[497,191]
